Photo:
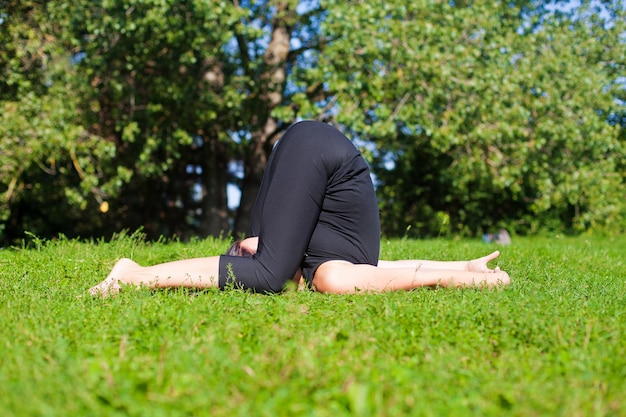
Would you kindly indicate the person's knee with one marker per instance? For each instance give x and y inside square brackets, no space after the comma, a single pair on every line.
[328,278]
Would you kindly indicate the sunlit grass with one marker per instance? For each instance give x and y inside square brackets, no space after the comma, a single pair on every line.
[550,344]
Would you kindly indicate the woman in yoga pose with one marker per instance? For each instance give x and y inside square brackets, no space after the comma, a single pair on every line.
[316,217]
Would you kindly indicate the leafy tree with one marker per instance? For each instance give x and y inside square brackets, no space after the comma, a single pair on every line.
[155,86]
[42,144]
[161,95]
[483,115]
[126,113]
[179,87]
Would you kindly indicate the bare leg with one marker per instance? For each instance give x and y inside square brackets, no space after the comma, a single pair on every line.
[381,281]
[190,273]
[342,277]
[333,276]
[474,265]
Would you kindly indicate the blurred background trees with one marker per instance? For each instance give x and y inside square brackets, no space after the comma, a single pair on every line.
[143,113]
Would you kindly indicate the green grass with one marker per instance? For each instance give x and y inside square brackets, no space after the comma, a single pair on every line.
[553,343]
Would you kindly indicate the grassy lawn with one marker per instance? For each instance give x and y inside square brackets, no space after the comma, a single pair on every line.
[553,343]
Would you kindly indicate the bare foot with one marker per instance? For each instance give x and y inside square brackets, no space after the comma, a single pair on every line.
[480,264]
[493,278]
[111,284]
[497,278]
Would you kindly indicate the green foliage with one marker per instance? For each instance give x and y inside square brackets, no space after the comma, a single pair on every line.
[550,344]
[101,105]
[46,156]
[480,115]
[156,91]
[488,115]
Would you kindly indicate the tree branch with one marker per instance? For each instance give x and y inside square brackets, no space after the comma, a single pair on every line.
[242,44]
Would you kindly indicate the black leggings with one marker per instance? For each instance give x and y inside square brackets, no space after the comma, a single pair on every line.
[316,203]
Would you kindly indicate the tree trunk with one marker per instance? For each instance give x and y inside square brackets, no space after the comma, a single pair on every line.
[272,82]
[254,166]
[214,217]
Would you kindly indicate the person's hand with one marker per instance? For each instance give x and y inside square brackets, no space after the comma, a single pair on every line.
[250,245]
